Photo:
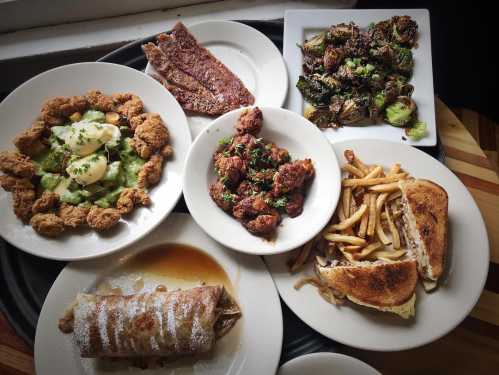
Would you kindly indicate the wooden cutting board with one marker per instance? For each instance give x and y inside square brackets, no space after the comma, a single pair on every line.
[471,348]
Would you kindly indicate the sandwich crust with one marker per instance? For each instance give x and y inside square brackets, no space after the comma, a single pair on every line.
[379,285]
[428,204]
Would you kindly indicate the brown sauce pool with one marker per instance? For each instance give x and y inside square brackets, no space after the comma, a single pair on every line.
[182,262]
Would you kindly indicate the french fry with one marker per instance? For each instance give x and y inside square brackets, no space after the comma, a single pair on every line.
[394,169]
[374,172]
[347,195]
[392,186]
[354,182]
[380,201]
[367,250]
[302,256]
[353,205]
[340,211]
[394,195]
[393,229]
[371,226]
[381,234]
[351,158]
[365,218]
[347,223]
[353,170]
[353,240]
[384,254]
[352,248]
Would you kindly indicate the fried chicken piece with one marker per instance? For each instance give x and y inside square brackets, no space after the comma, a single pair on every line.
[250,207]
[223,196]
[150,173]
[264,224]
[16,164]
[277,155]
[23,200]
[56,109]
[73,216]
[294,206]
[243,145]
[230,169]
[308,166]
[166,151]
[131,198]
[250,122]
[48,225]
[247,188]
[97,100]
[102,219]
[47,202]
[290,176]
[30,141]
[150,136]
[11,183]
[128,105]
[139,120]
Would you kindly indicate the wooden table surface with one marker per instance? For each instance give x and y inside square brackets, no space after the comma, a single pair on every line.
[471,348]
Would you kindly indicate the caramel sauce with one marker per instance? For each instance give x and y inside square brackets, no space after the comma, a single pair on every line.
[182,262]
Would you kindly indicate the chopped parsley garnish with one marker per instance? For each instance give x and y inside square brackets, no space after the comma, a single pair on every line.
[225,141]
[226,153]
[280,202]
[228,197]
[224,179]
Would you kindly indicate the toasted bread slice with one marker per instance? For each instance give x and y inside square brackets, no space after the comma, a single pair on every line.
[425,208]
[383,286]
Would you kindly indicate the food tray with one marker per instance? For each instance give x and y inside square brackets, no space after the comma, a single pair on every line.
[26,279]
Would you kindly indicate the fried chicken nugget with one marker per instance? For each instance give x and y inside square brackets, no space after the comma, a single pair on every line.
[56,109]
[11,183]
[128,105]
[97,100]
[48,225]
[73,216]
[30,141]
[102,219]
[23,200]
[131,198]
[150,136]
[16,164]
[47,202]
[151,171]
[139,120]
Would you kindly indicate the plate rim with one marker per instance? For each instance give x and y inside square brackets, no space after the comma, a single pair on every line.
[94,268]
[418,342]
[195,215]
[114,248]
[295,18]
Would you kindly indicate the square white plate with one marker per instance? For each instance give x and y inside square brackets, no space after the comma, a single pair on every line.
[302,24]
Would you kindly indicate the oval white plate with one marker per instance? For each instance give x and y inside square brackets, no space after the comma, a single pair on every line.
[302,140]
[325,364]
[22,107]
[260,329]
[436,313]
[250,55]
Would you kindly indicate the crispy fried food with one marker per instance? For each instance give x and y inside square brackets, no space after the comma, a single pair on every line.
[128,105]
[230,169]
[222,196]
[54,110]
[139,120]
[292,176]
[30,141]
[100,102]
[47,202]
[150,173]
[334,237]
[16,164]
[11,183]
[131,198]
[354,182]
[73,216]
[166,151]
[356,216]
[23,200]
[250,122]
[150,136]
[102,219]
[48,225]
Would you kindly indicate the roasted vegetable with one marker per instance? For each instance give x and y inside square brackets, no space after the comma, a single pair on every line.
[352,111]
[333,57]
[401,112]
[315,45]
[404,30]
[417,131]
[314,91]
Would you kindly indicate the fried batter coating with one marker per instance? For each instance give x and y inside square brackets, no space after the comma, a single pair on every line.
[150,136]
[138,120]
[30,141]
[100,102]
[166,151]
[131,198]
[47,202]
[16,164]
[11,183]
[150,173]
[56,109]
[102,219]
[73,216]
[250,122]
[23,200]
[128,105]
[48,225]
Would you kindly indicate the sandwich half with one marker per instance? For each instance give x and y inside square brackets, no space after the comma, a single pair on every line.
[425,217]
[385,286]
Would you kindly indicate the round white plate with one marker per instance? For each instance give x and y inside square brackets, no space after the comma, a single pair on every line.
[326,364]
[436,313]
[250,55]
[22,107]
[257,335]
[302,140]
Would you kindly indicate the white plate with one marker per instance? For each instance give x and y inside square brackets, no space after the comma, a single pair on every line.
[436,313]
[302,24]
[302,140]
[252,347]
[250,55]
[22,107]
[325,364]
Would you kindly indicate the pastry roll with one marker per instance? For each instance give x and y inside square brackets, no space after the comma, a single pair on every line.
[156,324]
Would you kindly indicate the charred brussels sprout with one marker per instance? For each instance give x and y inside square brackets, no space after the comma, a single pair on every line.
[342,32]
[321,117]
[401,112]
[404,30]
[316,45]
[314,91]
[352,111]
[417,131]
[403,60]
